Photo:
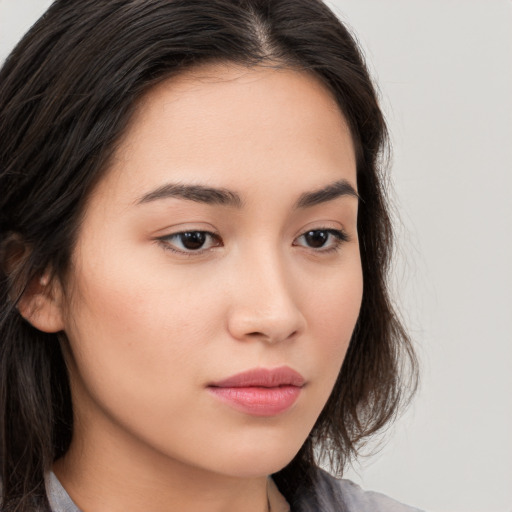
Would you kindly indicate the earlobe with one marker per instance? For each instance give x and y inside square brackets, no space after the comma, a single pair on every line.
[41,304]
[41,301]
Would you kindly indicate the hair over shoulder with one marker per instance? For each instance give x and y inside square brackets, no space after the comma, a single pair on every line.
[67,93]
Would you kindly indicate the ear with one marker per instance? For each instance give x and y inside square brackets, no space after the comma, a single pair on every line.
[41,304]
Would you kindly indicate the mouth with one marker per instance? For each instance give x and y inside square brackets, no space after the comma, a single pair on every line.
[260,391]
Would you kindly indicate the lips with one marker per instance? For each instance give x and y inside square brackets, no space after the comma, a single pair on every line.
[263,377]
[260,391]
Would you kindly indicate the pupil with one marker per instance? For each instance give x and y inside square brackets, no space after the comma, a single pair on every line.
[316,238]
[193,240]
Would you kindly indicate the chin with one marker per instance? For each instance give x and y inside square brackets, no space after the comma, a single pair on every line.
[257,462]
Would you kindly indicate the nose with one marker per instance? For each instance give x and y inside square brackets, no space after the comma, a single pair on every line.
[264,302]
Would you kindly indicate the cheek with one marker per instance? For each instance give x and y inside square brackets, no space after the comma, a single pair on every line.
[334,304]
[332,307]
[135,329]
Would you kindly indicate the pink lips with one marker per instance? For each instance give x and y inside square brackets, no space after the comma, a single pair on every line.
[261,391]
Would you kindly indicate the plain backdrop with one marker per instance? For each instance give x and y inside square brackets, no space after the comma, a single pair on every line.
[444,71]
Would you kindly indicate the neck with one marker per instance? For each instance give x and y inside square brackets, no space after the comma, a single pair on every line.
[107,474]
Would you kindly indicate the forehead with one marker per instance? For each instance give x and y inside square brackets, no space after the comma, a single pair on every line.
[263,84]
[227,125]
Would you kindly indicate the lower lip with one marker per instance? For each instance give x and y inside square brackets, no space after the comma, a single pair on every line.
[258,401]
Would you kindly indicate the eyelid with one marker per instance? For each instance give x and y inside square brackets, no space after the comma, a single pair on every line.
[340,235]
[165,243]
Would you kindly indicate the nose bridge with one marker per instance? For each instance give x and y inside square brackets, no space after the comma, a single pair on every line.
[264,303]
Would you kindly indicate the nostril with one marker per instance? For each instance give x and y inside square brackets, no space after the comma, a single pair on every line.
[271,324]
[269,337]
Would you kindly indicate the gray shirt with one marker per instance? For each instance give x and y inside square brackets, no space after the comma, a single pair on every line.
[330,495]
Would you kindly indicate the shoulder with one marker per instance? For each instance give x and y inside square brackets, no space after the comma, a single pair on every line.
[340,495]
[356,499]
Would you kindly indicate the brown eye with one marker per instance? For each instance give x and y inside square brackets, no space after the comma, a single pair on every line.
[323,239]
[191,241]
[316,239]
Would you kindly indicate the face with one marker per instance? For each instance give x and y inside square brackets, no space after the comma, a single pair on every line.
[221,240]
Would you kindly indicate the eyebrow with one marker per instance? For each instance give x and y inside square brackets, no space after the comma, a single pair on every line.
[328,193]
[226,197]
[197,193]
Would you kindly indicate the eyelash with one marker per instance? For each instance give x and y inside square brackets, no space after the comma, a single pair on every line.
[339,238]
[165,242]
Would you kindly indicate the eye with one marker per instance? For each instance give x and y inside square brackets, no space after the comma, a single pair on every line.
[190,241]
[324,240]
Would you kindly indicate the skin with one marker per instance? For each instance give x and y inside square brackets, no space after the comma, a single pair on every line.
[149,328]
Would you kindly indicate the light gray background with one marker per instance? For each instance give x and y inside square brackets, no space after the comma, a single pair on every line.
[444,68]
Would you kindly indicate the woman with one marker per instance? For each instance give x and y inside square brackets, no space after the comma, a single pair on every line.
[194,246]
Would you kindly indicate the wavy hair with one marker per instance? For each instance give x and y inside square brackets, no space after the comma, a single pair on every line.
[67,93]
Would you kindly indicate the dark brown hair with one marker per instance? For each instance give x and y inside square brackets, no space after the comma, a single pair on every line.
[67,92]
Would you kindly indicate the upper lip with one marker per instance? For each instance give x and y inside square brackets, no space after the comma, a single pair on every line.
[263,377]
